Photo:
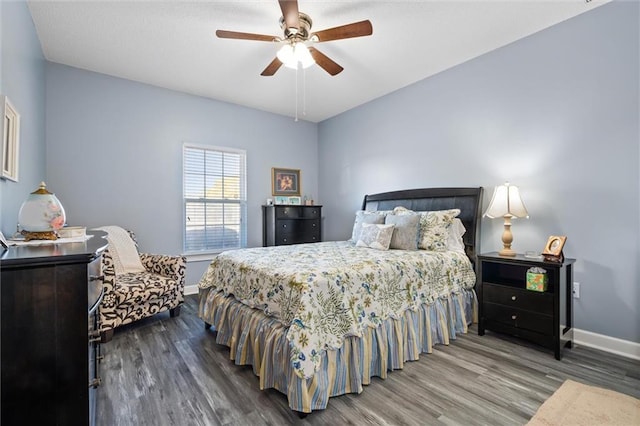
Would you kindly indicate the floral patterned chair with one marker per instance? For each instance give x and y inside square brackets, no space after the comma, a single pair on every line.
[157,285]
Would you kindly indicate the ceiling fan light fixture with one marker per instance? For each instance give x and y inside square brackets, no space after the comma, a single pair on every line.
[285,55]
[291,54]
[302,54]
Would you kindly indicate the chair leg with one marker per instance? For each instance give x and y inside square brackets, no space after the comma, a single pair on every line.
[175,312]
[106,336]
[207,326]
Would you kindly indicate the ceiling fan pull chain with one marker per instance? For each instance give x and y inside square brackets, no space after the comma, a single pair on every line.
[304,92]
[296,93]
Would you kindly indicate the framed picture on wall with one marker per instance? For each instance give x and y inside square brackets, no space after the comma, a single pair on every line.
[10,139]
[285,182]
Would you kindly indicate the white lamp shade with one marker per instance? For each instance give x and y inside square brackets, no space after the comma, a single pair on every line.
[506,202]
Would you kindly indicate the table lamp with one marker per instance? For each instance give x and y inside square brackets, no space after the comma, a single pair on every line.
[41,215]
[506,203]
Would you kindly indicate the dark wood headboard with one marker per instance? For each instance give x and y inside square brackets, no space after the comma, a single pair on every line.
[468,200]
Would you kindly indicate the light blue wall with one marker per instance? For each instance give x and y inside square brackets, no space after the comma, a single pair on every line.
[22,80]
[114,153]
[555,113]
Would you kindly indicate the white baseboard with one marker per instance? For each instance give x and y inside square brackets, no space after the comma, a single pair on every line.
[625,348]
[601,342]
[191,289]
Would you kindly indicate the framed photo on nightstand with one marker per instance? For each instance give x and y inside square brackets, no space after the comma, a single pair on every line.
[553,249]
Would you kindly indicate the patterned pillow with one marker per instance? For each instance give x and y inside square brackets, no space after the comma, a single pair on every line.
[434,229]
[375,236]
[405,231]
[365,217]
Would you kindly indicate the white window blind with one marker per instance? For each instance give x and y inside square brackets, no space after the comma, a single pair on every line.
[215,200]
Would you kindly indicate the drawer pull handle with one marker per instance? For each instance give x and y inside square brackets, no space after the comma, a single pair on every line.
[513,298]
[284,226]
[95,382]
[96,278]
[284,239]
[314,225]
[514,317]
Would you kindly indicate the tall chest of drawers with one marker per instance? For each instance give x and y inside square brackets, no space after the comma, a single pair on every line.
[506,306]
[287,224]
[50,296]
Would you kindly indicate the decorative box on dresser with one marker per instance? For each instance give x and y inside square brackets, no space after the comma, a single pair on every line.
[50,296]
[291,224]
[506,306]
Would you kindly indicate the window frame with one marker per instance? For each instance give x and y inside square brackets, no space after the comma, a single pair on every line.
[207,254]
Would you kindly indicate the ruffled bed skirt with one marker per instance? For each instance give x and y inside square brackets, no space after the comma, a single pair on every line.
[259,340]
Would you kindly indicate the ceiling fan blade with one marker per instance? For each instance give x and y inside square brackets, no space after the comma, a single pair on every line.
[325,62]
[356,29]
[290,12]
[272,68]
[245,36]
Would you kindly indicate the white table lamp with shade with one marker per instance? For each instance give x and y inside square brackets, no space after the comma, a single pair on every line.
[506,203]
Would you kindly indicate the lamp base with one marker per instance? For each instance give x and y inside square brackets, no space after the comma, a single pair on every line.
[507,252]
[48,235]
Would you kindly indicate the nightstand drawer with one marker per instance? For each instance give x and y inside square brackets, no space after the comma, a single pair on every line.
[519,318]
[517,298]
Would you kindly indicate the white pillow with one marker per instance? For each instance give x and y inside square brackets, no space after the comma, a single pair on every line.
[375,236]
[406,231]
[365,217]
[455,242]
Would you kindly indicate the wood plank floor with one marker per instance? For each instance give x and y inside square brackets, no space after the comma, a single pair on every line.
[170,371]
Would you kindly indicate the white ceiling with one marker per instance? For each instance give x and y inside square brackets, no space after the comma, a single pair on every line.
[172,44]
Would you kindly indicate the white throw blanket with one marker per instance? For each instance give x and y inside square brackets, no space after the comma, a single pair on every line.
[123,250]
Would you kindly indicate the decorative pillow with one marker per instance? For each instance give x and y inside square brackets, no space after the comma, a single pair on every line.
[402,211]
[405,231]
[455,242]
[375,236]
[434,229]
[365,217]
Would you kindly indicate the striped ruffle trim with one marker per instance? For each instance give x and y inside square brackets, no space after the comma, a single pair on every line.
[260,341]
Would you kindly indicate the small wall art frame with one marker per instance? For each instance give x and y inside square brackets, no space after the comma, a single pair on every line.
[10,139]
[295,201]
[285,182]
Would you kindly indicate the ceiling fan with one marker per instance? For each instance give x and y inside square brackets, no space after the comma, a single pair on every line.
[297,43]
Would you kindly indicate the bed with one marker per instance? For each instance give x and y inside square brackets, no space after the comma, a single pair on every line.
[319,320]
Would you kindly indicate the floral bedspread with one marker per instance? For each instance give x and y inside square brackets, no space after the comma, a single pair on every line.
[327,291]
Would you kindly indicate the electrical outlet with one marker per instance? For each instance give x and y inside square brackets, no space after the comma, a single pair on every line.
[576,290]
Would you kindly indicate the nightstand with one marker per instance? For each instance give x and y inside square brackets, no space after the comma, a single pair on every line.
[506,306]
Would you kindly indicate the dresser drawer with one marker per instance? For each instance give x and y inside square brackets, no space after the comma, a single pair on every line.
[518,298]
[519,318]
[288,212]
[311,212]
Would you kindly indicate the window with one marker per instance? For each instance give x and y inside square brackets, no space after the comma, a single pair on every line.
[215,200]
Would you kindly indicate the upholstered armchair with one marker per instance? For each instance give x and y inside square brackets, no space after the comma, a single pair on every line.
[137,285]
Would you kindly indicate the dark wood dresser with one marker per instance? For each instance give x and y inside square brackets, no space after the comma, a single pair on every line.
[50,296]
[506,306]
[287,224]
